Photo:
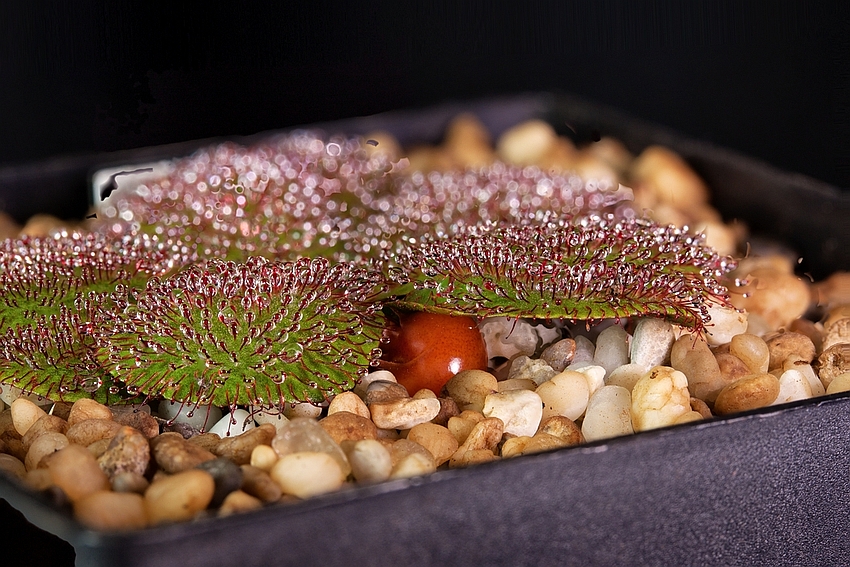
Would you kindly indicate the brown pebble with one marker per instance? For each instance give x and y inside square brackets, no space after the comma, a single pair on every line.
[61,410]
[129,482]
[75,470]
[731,367]
[111,511]
[380,392]
[752,392]
[448,409]
[346,426]
[128,451]
[563,428]
[784,344]
[174,454]
[700,407]
[139,420]
[208,441]
[258,483]
[99,447]
[239,447]
[90,430]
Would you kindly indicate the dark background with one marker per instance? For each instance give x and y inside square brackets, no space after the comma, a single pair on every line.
[770,79]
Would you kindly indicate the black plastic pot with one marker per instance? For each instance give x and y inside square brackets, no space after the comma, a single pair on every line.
[767,487]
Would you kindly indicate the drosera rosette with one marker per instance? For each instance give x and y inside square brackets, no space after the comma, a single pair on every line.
[269,199]
[259,332]
[418,204]
[56,294]
[589,268]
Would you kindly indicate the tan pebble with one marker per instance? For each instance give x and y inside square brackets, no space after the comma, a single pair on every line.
[384,144]
[401,448]
[174,454]
[526,143]
[688,417]
[731,367]
[809,328]
[718,236]
[424,394]
[833,291]
[12,466]
[437,439]
[833,362]
[350,402]
[263,457]
[415,464]
[128,451]
[486,434]
[381,391]
[45,444]
[692,356]
[45,423]
[670,178]
[837,332]
[307,474]
[517,384]
[784,344]
[469,388]
[370,460]
[259,484]
[752,351]
[404,413]
[9,228]
[208,441]
[237,502]
[129,481]
[41,225]
[565,394]
[746,394]
[88,431]
[38,480]
[24,414]
[75,470]
[517,446]
[467,141]
[659,398]
[700,407]
[471,457]
[111,511]
[626,375]
[563,428]
[725,324]
[139,420]
[448,409]
[99,447]
[840,383]
[343,426]
[85,409]
[179,497]
[778,298]
[461,425]
[238,448]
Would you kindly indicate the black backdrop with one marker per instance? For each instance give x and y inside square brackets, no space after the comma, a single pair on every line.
[771,79]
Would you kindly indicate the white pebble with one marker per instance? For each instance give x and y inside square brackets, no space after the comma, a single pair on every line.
[274,417]
[520,410]
[608,414]
[809,374]
[566,394]
[508,336]
[303,409]
[651,342]
[363,385]
[595,376]
[198,417]
[793,386]
[612,348]
[626,376]
[404,413]
[725,324]
[307,474]
[233,424]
